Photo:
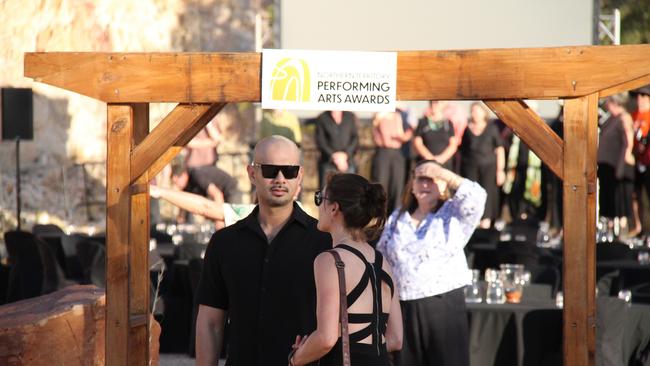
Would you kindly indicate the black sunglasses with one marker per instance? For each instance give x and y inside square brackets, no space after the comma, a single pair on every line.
[319,196]
[270,171]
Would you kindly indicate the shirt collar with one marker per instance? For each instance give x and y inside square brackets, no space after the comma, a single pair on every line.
[297,215]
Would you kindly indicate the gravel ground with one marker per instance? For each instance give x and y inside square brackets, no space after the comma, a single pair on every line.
[180,359]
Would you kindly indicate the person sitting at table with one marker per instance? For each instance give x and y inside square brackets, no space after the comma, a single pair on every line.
[353,211]
[423,241]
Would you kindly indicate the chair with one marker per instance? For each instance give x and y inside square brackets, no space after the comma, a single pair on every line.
[189,250]
[34,267]
[524,230]
[73,266]
[54,279]
[26,273]
[47,230]
[632,277]
[615,251]
[161,237]
[517,252]
[641,293]
[87,251]
[542,330]
[54,242]
[485,236]
[546,274]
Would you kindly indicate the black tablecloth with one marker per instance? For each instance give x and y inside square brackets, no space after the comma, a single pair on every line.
[531,333]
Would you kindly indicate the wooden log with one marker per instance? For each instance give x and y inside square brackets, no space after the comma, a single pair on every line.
[62,328]
[581,137]
[525,73]
[533,130]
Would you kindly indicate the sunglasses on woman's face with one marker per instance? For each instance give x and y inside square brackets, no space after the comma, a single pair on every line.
[270,171]
[319,196]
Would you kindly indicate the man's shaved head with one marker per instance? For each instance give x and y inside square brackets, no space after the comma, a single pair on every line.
[276,150]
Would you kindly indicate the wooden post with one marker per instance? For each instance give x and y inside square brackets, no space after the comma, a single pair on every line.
[139,251]
[118,207]
[580,150]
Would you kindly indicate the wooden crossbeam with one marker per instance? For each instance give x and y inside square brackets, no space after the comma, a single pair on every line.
[528,73]
[623,87]
[533,130]
[171,134]
[579,264]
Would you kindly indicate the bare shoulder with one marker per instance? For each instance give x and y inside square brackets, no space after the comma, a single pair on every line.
[324,262]
[387,267]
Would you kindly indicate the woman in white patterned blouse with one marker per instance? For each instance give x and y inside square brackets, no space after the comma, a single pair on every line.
[423,241]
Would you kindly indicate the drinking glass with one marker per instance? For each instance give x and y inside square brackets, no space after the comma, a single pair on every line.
[473,291]
[513,281]
[494,293]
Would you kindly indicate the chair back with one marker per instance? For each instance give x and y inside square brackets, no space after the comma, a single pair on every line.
[54,278]
[26,273]
[543,337]
[86,252]
[47,230]
[615,251]
[517,252]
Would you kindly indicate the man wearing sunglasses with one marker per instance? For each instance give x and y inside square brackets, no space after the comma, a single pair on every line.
[258,272]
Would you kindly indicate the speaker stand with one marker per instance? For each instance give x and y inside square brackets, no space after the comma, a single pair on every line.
[18,181]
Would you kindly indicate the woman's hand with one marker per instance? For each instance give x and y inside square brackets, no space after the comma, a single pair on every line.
[300,340]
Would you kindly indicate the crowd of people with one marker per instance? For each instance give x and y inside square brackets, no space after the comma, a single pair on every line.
[295,290]
[623,161]
[380,273]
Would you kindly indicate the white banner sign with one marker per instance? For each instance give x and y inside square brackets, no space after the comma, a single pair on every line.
[329,80]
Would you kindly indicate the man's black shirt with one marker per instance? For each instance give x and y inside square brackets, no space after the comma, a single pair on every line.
[267,289]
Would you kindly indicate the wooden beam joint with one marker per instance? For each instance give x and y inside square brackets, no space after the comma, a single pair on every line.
[533,131]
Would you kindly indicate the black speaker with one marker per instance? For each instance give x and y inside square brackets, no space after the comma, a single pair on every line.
[17,119]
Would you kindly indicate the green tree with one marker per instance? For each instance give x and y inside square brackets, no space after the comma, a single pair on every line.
[635,19]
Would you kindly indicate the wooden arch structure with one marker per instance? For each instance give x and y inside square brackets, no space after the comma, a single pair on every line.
[202,83]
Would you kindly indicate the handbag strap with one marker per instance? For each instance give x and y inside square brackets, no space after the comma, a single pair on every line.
[345,336]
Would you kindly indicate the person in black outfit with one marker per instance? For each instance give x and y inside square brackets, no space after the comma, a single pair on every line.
[612,145]
[617,162]
[434,137]
[483,159]
[352,210]
[337,139]
[258,272]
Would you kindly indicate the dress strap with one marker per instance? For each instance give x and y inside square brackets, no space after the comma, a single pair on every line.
[353,251]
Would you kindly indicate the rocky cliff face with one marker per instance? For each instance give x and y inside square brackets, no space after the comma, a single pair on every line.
[69,129]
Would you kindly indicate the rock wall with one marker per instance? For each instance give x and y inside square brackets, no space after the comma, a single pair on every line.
[69,129]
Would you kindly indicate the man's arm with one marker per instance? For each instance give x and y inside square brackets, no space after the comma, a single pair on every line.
[191,202]
[209,335]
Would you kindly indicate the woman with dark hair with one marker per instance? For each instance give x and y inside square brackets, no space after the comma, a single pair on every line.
[423,241]
[353,211]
